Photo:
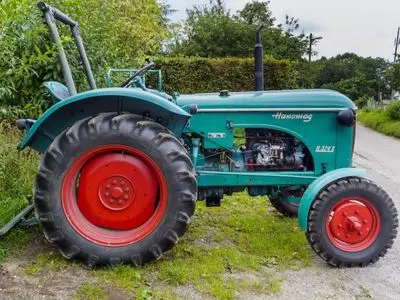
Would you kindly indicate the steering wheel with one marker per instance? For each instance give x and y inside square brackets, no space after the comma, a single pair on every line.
[138,73]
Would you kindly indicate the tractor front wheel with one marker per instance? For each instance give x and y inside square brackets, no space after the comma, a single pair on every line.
[115,189]
[352,222]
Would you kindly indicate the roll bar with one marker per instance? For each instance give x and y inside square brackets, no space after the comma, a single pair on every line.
[51,14]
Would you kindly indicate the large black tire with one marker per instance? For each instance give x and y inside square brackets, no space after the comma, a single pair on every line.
[287,209]
[320,238]
[135,132]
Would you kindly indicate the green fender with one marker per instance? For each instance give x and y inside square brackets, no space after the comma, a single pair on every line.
[317,185]
[66,112]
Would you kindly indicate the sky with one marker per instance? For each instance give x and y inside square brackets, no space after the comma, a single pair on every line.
[365,27]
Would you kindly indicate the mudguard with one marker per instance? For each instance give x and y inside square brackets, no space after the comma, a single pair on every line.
[66,112]
[317,185]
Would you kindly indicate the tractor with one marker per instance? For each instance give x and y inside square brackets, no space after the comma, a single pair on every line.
[123,167]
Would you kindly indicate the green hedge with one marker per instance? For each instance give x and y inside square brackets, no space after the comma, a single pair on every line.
[195,75]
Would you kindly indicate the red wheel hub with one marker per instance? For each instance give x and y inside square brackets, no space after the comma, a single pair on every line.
[353,224]
[114,195]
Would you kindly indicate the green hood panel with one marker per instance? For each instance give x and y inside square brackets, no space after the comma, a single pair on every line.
[269,99]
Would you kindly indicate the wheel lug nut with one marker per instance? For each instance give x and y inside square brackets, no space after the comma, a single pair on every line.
[365,221]
[337,234]
[357,212]
[126,197]
[108,186]
[348,235]
[360,233]
[122,182]
[107,194]
[120,201]
[114,182]
[340,226]
[126,189]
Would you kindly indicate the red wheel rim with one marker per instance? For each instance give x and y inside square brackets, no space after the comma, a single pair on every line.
[114,195]
[353,224]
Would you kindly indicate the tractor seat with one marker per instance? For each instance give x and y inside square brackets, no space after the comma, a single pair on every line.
[57,91]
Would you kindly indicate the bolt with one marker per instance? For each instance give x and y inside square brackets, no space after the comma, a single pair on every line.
[111,200]
[108,186]
[338,234]
[357,212]
[126,197]
[127,189]
[114,182]
[345,213]
[348,235]
[365,221]
[340,226]
[122,183]
[120,201]
[360,233]
[367,229]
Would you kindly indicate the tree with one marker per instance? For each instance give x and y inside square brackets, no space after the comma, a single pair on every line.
[353,75]
[212,31]
[257,13]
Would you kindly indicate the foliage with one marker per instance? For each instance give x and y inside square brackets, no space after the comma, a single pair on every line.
[393,111]
[213,31]
[362,101]
[257,13]
[192,75]
[122,33]
[393,76]
[378,120]
[352,75]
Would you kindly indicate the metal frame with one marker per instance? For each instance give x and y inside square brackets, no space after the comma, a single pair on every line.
[20,219]
[131,72]
[52,14]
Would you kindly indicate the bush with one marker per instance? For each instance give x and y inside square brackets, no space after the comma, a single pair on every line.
[362,101]
[116,33]
[379,120]
[194,75]
[393,111]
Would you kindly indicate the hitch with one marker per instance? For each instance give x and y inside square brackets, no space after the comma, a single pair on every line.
[20,220]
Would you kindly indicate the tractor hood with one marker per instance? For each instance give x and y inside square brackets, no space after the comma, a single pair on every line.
[289,99]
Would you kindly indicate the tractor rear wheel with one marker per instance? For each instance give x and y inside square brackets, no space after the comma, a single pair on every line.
[286,208]
[115,189]
[352,222]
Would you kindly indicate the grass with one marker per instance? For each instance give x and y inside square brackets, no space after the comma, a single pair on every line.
[243,236]
[17,170]
[90,291]
[379,121]
[47,262]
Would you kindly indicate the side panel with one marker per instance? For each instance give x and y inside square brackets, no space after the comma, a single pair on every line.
[65,113]
[315,187]
[328,142]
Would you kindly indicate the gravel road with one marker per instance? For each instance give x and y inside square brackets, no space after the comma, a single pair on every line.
[380,155]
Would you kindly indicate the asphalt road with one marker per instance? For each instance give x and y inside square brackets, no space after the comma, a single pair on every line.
[380,155]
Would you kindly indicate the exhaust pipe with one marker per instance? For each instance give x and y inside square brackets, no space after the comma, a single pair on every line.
[259,61]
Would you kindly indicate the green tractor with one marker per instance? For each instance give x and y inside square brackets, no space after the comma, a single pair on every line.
[122,168]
